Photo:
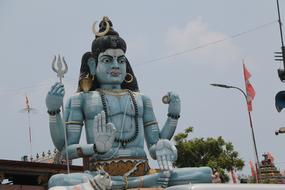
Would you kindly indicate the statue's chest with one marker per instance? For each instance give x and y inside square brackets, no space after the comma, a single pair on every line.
[115,105]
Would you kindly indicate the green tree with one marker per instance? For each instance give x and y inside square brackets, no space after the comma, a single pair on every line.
[213,152]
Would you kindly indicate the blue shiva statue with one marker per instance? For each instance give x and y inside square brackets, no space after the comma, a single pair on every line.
[118,120]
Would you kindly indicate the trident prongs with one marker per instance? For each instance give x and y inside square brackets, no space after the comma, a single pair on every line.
[59,70]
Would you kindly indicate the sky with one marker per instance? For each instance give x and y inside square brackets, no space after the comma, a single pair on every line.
[180,46]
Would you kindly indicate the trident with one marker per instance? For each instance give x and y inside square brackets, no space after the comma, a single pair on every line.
[60,71]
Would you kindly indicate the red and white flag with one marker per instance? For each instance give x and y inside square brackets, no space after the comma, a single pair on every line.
[250,92]
[234,177]
[252,168]
[270,156]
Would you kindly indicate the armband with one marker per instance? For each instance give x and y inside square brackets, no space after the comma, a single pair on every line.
[74,123]
[53,112]
[146,124]
[173,116]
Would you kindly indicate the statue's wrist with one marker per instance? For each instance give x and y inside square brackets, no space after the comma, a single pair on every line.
[173,116]
[95,150]
[52,113]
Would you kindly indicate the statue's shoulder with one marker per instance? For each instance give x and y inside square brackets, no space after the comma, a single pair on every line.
[76,96]
[145,98]
[86,95]
[139,95]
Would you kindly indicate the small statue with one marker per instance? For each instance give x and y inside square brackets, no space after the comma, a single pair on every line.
[118,119]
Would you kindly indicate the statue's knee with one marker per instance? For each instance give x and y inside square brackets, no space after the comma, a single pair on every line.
[205,175]
[206,170]
[56,180]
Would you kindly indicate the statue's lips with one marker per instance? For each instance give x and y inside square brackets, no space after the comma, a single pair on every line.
[115,73]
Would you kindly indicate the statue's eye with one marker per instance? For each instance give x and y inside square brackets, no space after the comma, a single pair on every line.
[106,60]
[122,60]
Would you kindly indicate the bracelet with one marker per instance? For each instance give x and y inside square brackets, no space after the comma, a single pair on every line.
[173,116]
[95,150]
[53,112]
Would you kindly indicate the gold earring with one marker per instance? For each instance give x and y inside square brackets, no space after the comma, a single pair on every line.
[131,78]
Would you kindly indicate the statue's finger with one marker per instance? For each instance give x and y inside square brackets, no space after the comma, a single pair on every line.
[62,92]
[103,122]
[112,128]
[103,116]
[57,87]
[160,163]
[169,162]
[164,162]
[59,91]
[174,97]
[94,183]
[170,166]
[100,123]
[54,88]
[107,128]
[96,124]
[168,157]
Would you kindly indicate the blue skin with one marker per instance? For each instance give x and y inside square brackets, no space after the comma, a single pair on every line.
[86,107]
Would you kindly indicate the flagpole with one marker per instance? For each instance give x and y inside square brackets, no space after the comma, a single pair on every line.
[30,135]
[255,148]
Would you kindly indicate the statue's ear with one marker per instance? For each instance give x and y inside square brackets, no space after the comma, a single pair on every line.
[92,65]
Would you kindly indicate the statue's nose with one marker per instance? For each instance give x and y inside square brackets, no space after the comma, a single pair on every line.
[115,64]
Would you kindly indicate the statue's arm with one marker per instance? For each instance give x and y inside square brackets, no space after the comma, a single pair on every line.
[74,123]
[56,126]
[56,130]
[173,115]
[151,128]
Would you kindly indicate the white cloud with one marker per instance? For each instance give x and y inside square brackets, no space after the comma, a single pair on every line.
[196,34]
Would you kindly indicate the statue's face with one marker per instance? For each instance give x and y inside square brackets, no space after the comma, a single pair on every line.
[111,68]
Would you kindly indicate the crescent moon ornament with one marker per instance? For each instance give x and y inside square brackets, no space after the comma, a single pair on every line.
[166,99]
[105,19]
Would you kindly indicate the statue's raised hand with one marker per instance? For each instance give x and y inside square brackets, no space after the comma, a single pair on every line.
[54,98]
[104,133]
[174,107]
[166,154]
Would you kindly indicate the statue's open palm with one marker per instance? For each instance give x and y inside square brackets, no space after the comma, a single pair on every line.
[104,133]
[166,154]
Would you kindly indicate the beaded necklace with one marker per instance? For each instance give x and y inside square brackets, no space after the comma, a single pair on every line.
[125,141]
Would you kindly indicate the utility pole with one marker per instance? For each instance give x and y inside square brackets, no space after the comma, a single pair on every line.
[280,56]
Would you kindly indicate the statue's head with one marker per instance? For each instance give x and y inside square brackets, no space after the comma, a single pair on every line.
[106,63]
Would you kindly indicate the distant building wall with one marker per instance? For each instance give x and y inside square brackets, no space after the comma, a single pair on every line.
[20,187]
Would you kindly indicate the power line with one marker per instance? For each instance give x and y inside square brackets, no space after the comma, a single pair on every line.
[168,56]
[208,44]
